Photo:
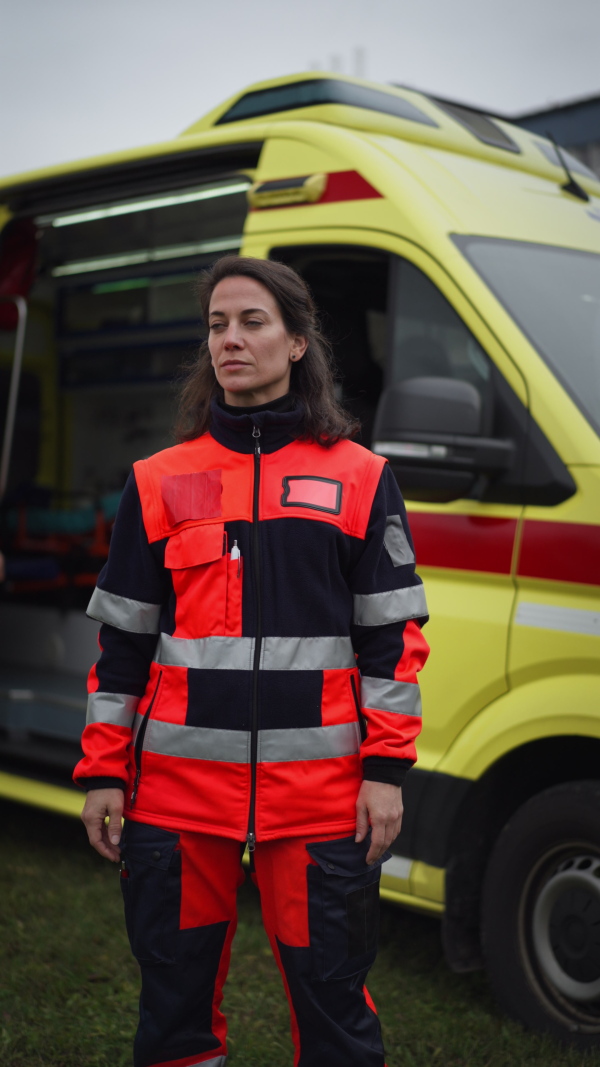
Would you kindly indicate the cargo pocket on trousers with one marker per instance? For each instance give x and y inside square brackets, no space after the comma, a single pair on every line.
[343,907]
[151,887]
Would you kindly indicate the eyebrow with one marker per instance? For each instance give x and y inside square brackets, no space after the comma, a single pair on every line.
[246,311]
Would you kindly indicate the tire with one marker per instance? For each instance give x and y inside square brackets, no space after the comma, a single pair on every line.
[540,923]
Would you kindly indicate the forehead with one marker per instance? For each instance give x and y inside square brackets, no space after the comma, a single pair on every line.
[237,293]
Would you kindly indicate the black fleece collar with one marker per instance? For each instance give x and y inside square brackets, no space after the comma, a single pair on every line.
[277,428]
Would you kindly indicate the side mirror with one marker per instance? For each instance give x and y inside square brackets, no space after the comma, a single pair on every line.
[430,430]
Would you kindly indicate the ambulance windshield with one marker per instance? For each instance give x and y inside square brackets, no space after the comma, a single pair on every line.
[554,296]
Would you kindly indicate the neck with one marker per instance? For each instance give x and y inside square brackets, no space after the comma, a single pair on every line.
[257,397]
[280,403]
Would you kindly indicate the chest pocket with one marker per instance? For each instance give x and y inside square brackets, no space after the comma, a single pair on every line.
[206,581]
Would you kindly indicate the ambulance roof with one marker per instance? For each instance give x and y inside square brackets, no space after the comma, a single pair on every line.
[480,169]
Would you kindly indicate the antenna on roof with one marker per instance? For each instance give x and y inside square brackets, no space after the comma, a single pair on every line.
[573,187]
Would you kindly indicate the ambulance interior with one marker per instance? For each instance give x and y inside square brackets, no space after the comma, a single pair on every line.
[112,318]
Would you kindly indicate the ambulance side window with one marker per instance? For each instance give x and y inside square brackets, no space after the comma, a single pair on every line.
[428,339]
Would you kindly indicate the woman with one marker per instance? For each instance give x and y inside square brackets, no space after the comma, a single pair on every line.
[277,708]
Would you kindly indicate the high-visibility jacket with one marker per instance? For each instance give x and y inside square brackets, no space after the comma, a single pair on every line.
[261,634]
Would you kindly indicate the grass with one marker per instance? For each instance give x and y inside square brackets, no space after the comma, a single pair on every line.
[69,987]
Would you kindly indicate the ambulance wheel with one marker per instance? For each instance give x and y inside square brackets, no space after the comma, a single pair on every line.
[541,914]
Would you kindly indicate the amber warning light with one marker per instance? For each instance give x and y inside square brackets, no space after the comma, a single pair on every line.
[305,190]
[311,189]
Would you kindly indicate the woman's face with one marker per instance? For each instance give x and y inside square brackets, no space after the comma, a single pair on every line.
[250,348]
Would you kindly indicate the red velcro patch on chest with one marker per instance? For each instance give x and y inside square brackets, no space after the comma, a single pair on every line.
[305,491]
[191,496]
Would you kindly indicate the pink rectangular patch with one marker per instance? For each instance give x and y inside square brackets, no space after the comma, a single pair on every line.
[191,496]
[304,491]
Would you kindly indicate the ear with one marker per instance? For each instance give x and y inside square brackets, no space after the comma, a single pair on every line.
[298,347]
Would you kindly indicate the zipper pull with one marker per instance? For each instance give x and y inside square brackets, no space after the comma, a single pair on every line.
[256,436]
[251,841]
[135,788]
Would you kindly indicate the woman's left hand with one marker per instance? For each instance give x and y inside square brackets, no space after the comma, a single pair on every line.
[378,805]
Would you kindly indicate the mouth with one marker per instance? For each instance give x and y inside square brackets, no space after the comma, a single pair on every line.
[232,364]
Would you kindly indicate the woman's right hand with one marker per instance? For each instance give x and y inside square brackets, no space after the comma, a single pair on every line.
[104,837]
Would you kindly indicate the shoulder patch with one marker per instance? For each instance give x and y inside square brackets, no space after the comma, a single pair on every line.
[396,542]
[191,496]
[310,491]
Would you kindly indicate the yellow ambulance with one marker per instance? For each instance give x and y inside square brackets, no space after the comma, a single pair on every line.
[456,260]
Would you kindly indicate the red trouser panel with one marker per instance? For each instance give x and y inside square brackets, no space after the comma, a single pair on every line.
[180,900]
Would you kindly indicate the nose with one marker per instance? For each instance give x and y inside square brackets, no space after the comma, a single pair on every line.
[233,338]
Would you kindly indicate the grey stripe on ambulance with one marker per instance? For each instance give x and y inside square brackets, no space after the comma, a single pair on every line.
[383,694]
[233,746]
[115,708]
[396,542]
[395,605]
[237,653]
[134,615]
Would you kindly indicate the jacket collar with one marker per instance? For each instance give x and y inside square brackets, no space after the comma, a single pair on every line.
[277,428]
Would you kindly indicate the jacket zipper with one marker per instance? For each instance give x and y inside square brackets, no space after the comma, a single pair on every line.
[359,714]
[139,743]
[251,835]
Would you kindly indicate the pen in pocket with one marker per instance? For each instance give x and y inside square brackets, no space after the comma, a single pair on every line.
[236,554]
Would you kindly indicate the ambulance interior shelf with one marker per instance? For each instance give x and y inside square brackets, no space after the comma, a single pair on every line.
[50,548]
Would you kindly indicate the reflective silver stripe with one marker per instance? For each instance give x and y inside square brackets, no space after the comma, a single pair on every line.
[396,542]
[116,708]
[233,746]
[133,615]
[306,653]
[553,617]
[396,605]
[308,743]
[237,653]
[208,653]
[197,742]
[382,694]
[137,722]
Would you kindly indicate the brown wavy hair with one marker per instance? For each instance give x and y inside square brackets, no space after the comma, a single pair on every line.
[312,378]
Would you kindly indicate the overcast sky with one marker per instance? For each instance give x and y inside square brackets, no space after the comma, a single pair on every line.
[81,77]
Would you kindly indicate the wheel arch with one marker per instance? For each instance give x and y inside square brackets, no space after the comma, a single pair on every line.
[515,777]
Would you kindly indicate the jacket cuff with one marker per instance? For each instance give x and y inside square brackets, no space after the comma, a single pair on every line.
[386,769]
[101,783]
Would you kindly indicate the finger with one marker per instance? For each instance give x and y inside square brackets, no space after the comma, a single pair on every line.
[114,826]
[377,846]
[110,851]
[362,822]
[97,836]
[98,840]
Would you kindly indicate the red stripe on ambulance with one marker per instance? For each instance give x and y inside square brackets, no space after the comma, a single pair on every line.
[560,552]
[463,542]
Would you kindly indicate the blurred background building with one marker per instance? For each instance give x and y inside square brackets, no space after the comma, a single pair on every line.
[575,125]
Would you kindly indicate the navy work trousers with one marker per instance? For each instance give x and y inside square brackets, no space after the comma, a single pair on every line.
[320,907]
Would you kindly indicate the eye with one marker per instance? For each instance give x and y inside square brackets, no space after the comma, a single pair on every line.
[254,322]
[216,325]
